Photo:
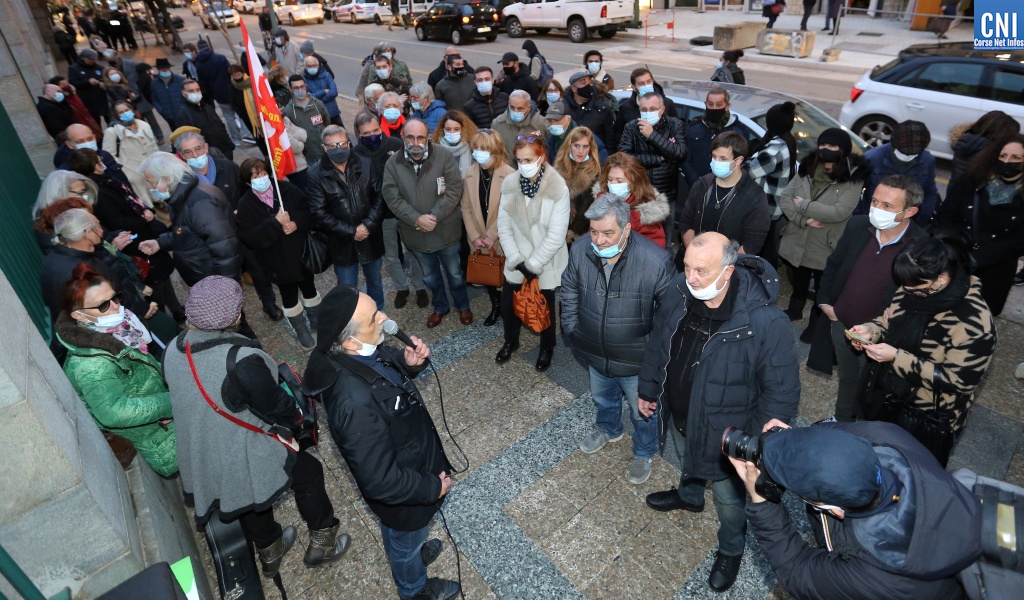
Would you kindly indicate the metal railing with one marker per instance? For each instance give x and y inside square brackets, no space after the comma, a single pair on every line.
[888,32]
[663,22]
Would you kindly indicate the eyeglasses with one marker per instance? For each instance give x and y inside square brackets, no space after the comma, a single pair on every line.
[922,292]
[337,145]
[78,193]
[105,305]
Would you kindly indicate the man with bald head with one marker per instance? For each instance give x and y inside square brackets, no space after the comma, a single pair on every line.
[54,111]
[79,136]
[720,355]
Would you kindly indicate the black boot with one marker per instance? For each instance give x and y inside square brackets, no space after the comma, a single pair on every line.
[495,315]
[312,305]
[724,572]
[271,556]
[795,312]
[298,322]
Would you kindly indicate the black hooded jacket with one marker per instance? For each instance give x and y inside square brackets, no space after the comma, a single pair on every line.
[482,110]
[204,210]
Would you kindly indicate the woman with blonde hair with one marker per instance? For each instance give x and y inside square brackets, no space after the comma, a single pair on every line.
[623,176]
[454,132]
[532,222]
[577,162]
[481,197]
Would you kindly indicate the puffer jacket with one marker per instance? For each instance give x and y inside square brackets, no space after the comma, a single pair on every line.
[608,319]
[745,219]
[410,194]
[212,69]
[167,95]
[123,389]
[482,110]
[910,551]
[432,115]
[384,433]
[533,233]
[747,375]
[598,114]
[806,246]
[322,87]
[629,110]
[660,154]
[340,205]
[954,353]
[205,211]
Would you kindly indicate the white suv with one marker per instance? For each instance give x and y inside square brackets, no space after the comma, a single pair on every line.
[296,11]
[941,86]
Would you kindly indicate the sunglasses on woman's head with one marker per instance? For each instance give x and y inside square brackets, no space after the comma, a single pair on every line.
[529,139]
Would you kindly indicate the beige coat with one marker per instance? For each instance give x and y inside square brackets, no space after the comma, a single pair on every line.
[532,230]
[136,145]
[805,246]
[472,216]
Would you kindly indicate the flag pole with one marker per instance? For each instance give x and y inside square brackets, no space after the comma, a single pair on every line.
[273,171]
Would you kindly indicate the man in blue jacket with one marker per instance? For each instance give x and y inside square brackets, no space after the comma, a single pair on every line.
[889,521]
[721,355]
[321,86]
[905,154]
[215,81]
[166,91]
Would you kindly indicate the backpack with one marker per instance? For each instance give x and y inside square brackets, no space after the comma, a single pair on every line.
[999,572]
[547,72]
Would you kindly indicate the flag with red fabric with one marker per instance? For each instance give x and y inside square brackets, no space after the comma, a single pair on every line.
[273,124]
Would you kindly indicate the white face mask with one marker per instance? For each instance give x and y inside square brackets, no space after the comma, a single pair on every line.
[529,170]
[593,67]
[368,349]
[108,321]
[882,219]
[709,292]
[194,97]
[619,189]
[904,158]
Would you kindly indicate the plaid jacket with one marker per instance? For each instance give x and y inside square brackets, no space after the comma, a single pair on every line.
[770,169]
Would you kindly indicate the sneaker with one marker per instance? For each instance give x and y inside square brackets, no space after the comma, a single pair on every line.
[1018,279]
[831,419]
[597,440]
[640,470]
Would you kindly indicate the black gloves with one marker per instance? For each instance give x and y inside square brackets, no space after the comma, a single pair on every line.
[528,274]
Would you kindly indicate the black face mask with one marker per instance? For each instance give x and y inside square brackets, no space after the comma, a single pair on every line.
[586,92]
[372,141]
[509,71]
[714,115]
[1007,170]
[458,71]
[339,156]
[828,156]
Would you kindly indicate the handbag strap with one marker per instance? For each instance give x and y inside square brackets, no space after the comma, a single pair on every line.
[290,444]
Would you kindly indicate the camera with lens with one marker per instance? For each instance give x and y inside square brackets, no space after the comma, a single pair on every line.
[743,446]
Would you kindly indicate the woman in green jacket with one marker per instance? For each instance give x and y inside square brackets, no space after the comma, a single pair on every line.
[111,366]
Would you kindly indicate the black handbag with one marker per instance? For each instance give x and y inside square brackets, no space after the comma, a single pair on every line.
[316,253]
[933,427]
[307,432]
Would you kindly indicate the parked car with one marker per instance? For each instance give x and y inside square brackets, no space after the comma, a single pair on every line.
[382,12]
[217,12]
[940,85]
[353,11]
[458,21]
[581,18]
[750,105]
[247,6]
[296,11]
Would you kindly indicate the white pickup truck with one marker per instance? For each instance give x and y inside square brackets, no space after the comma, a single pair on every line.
[580,17]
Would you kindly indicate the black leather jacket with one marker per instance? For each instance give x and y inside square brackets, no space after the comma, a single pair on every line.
[339,205]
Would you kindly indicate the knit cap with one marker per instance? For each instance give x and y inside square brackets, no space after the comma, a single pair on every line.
[214,303]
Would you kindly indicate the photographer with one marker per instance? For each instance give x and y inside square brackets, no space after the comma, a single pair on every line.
[888,520]
[236,449]
[383,429]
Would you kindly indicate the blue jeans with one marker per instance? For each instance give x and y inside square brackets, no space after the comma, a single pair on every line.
[730,500]
[349,275]
[609,392]
[403,550]
[448,260]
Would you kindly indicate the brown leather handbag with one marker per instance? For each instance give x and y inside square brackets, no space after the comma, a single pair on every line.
[486,269]
[531,306]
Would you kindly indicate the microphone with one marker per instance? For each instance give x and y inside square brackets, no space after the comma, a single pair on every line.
[391,328]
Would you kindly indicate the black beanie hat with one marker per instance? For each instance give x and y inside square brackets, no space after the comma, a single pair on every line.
[780,118]
[334,314]
[835,136]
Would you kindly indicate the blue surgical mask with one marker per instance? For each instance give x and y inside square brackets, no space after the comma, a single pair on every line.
[161,196]
[721,169]
[609,252]
[553,97]
[199,162]
[619,189]
[58,97]
[260,184]
[392,114]
[482,157]
[516,116]
[189,56]
[166,74]
[194,97]
[484,87]
[386,55]
[383,73]
[557,129]
[127,116]
[593,67]
[585,158]
[88,146]
[416,106]
[453,138]
[645,89]
[718,64]
[650,117]
[312,70]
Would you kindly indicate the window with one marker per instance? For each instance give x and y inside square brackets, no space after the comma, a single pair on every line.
[959,78]
[1008,86]
[467,9]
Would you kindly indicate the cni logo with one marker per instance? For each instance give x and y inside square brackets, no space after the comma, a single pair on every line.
[998,25]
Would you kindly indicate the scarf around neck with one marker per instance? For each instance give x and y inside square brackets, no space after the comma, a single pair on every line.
[130,332]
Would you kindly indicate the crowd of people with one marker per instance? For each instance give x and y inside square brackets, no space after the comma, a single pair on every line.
[655,244]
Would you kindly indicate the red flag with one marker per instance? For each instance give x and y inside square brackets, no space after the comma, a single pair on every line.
[273,125]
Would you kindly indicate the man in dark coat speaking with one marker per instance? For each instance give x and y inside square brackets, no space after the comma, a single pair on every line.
[383,430]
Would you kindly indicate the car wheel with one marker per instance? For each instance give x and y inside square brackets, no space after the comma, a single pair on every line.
[607,33]
[456,37]
[491,37]
[376,20]
[513,28]
[874,129]
[544,30]
[577,31]
[421,34]
[334,16]
[352,18]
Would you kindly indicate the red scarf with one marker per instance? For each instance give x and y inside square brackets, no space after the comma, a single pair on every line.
[392,130]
